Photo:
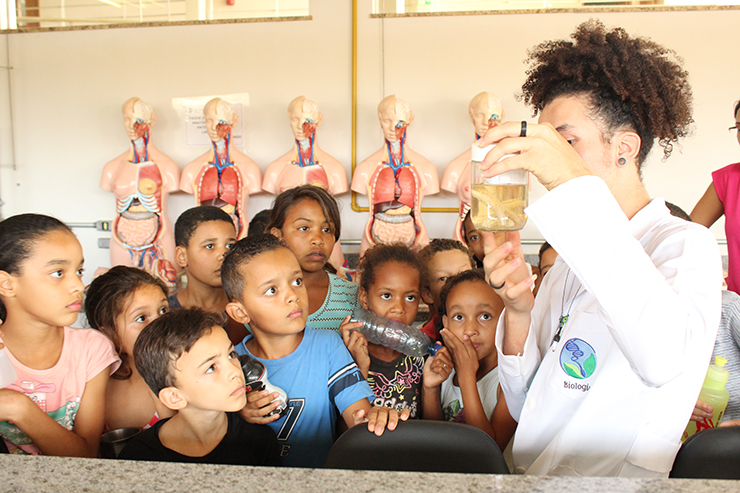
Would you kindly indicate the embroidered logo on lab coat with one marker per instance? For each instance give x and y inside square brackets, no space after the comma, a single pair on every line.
[578,358]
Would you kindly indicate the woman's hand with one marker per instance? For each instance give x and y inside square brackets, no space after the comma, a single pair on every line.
[543,152]
[507,272]
[437,369]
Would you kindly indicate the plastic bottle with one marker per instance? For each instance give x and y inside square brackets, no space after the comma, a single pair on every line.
[7,372]
[392,334]
[497,202]
[255,379]
[713,392]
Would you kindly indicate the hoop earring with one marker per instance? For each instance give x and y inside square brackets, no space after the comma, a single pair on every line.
[621,161]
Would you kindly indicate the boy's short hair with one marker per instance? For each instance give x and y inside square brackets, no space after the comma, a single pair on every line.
[259,222]
[163,341]
[473,275]
[240,254]
[188,222]
[677,211]
[435,246]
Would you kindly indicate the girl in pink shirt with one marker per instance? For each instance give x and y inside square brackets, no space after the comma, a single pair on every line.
[56,404]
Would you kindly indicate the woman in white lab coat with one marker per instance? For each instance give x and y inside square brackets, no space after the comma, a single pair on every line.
[603,371]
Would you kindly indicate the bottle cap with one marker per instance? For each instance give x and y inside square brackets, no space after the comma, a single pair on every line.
[478,154]
[717,375]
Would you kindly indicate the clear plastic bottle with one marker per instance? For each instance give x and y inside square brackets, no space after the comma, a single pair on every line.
[497,202]
[7,372]
[394,335]
[255,378]
[713,392]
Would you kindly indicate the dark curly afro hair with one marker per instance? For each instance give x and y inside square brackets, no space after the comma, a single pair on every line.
[631,83]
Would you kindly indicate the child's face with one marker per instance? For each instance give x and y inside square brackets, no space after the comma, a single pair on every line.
[49,287]
[473,309]
[209,376]
[442,266]
[205,252]
[146,304]
[274,296]
[394,294]
[309,234]
[472,236]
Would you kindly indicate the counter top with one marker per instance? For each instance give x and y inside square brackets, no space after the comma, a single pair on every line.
[58,474]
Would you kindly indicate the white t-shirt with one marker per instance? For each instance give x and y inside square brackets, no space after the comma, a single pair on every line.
[451,397]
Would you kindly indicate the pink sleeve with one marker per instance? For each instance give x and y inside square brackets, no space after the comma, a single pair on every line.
[99,353]
[721,179]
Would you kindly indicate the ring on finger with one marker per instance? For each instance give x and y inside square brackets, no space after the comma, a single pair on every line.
[498,287]
[523,132]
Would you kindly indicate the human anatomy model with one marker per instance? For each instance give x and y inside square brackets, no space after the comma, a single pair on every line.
[306,162]
[485,113]
[395,179]
[141,180]
[223,177]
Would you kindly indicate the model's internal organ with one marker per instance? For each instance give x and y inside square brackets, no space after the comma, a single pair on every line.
[141,128]
[138,225]
[394,199]
[221,187]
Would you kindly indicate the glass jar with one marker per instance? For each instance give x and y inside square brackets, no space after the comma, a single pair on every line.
[497,202]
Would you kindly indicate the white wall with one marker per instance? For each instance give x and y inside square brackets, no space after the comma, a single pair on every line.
[67,89]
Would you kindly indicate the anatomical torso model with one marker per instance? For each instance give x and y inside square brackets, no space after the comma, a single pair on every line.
[395,179]
[141,180]
[223,177]
[306,162]
[485,112]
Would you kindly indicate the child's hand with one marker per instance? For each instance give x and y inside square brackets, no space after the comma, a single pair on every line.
[437,369]
[356,344]
[463,353]
[13,404]
[379,417]
[701,411]
[259,405]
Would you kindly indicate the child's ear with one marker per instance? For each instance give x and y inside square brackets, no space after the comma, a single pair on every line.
[362,296]
[444,321]
[7,286]
[181,256]
[427,297]
[237,312]
[172,398]
[276,232]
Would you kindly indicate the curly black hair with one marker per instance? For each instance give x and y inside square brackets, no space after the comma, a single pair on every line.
[381,254]
[631,83]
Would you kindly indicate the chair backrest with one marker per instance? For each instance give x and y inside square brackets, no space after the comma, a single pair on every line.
[710,454]
[418,445]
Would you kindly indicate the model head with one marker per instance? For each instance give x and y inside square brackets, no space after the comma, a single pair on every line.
[304,117]
[220,118]
[138,117]
[625,84]
[485,112]
[395,116]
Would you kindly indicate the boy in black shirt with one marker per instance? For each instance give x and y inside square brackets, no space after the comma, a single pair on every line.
[187,360]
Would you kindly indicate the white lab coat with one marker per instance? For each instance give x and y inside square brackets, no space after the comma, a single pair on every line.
[648,311]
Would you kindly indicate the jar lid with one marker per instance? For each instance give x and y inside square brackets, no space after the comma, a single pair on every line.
[478,154]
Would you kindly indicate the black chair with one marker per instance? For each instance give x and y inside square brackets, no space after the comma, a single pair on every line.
[710,454]
[418,445]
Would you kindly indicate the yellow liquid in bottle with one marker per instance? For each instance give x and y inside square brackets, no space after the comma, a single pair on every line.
[498,207]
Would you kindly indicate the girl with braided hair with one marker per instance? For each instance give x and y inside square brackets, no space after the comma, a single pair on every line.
[603,370]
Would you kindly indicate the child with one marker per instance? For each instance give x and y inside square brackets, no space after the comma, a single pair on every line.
[264,283]
[389,286]
[441,259]
[189,362]
[475,243]
[471,394]
[259,222]
[57,404]
[307,218]
[120,303]
[203,235]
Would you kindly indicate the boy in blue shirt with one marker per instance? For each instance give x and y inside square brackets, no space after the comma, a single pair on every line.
[264,284]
